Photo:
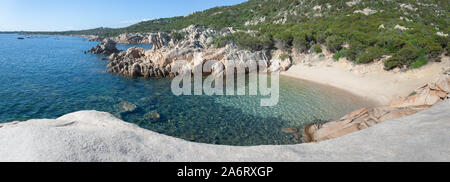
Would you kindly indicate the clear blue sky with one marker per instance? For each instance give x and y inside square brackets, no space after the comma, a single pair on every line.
[59,15]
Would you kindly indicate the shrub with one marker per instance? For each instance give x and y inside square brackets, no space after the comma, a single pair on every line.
[283,40]
[371,54]
[409,52]
[443,41]
[433,50]
[419,62]
[300,42]
[176,36]
[392,63]
[334,43]
[245,41]
[405,57]
[340,54]
[221,42]
[321,38]
[284,56]
[393,43]
[364,58]
[317,48]
[354,51]
[447,50]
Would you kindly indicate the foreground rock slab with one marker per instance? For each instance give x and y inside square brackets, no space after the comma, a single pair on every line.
[98,136]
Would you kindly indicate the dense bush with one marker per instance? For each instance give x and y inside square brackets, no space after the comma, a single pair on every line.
[301,42]
[317,48]
[283,40]
[354,51]
[405,57]
[420,61]
[447,50]
[245,41]
[334,43]
[284,56]
[371,54]
[434,50]
[340,54]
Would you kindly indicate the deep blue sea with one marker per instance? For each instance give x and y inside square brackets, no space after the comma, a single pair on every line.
[49,76]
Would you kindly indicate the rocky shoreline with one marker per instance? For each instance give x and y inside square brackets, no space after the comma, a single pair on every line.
[158,61]
[168,48]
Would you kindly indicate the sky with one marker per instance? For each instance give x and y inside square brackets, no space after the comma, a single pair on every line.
[62,15]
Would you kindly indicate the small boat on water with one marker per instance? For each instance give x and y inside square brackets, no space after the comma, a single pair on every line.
[20,38]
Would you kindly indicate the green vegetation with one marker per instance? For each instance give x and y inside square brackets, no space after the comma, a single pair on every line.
[340,54]
[317,48]
[284,56]
[245,41]
[333,25]
[420,61]
[370,54]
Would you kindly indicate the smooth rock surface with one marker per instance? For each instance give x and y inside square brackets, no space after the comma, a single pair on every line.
[97,136]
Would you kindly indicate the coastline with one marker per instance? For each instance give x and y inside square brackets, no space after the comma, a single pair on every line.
[368,81]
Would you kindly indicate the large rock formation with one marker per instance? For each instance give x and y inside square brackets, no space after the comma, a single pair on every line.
[181,45]
[106,47]
[424,97]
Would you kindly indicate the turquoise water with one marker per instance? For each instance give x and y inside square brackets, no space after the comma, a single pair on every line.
[47,77]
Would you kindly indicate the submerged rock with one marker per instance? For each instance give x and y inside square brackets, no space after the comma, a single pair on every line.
[289,130]
[128,106]
[152,115]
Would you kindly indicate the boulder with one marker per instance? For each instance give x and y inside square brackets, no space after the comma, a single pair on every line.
[152,115]
[106,47]
[159,40]
[427,95]
[128,106]
[135,52]
[280,65]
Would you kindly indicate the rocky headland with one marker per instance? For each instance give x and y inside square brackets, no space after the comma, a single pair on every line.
[168,48]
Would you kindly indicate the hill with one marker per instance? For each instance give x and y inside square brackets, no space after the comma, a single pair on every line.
[412,32]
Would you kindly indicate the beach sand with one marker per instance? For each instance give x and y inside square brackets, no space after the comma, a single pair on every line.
[369,81]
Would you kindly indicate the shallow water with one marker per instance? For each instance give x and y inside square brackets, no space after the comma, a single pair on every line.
[47,77]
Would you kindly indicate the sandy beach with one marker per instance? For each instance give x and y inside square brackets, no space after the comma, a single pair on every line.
[370,81]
